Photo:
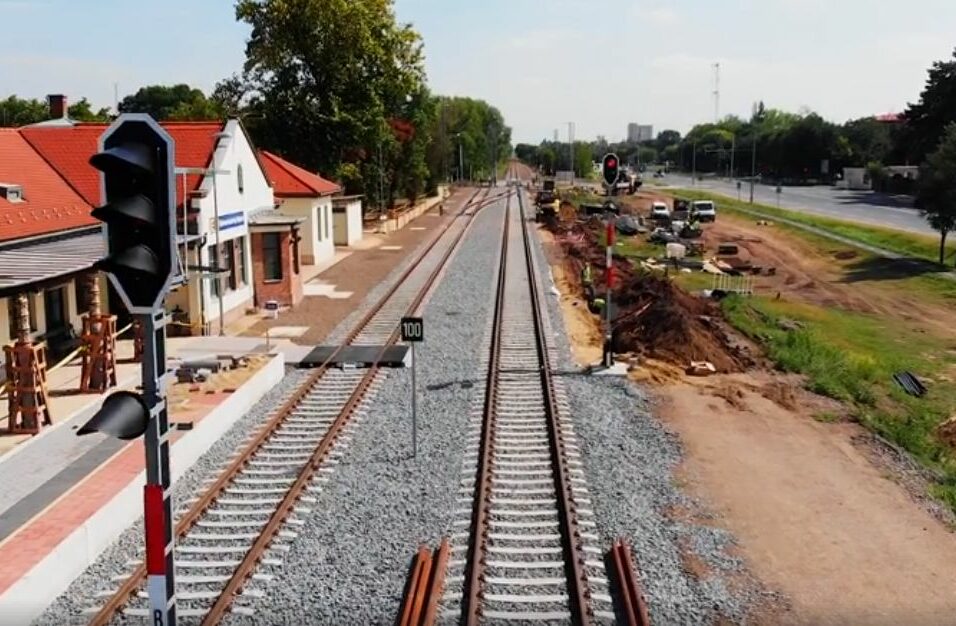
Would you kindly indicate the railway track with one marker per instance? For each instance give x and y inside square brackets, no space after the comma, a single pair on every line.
[524,546]
[248,514]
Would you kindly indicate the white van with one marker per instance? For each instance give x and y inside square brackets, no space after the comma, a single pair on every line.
[705,210]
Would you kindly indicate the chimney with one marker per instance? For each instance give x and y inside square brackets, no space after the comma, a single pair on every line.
[57,106]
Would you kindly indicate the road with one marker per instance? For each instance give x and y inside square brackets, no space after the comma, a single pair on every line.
[857,206]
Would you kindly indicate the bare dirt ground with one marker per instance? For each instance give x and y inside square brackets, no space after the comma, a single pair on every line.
[819,516]
[844,279]
[815,519]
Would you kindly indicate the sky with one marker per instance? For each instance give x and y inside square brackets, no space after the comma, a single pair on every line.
[598,63]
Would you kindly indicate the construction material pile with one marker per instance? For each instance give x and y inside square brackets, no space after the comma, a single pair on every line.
[660,320]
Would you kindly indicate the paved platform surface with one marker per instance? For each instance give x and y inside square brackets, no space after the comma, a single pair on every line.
[54,483]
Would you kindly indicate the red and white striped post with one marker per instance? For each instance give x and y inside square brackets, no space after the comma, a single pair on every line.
[609,280]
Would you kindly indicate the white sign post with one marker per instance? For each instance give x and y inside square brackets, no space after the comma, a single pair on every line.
[413,331]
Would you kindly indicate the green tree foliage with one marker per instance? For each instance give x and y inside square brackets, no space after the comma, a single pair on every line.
[337,87]
[176,102]
[936,194]
[936,108]
[480,130]
[82,111]
[16,111]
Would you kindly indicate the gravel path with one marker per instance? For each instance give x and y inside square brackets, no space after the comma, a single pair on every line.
[350,561]
[629,460]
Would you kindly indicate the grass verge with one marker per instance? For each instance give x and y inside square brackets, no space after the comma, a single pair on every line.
[852,357]
[898,241]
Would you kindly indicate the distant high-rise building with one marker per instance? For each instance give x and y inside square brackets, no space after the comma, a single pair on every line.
[555,135]
[637,133]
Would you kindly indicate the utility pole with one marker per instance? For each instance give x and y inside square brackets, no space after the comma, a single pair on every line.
[716,93]
[571,150]
[753,165]
[693,159]
[733,151]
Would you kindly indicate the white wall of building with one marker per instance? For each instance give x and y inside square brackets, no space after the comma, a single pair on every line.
[233,155]
[347,227]
[317,245]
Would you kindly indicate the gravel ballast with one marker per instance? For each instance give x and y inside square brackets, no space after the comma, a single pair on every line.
[68,608]
[350,562]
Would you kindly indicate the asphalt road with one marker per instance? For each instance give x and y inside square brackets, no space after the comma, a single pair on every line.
[858,206]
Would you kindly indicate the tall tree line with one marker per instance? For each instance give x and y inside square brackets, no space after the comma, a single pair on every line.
[338,87]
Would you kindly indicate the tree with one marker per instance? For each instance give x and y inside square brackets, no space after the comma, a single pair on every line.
[82,111]
[936,108]
[16,111]
[667,138]
[176,102]
[936,195]
[325,77]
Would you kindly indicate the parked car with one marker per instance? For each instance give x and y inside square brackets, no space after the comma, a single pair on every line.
[705,210]
[660,210]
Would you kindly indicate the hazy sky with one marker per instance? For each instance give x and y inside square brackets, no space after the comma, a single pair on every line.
[542,62]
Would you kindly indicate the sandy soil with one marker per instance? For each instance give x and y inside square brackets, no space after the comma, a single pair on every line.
[815,518]
[582,326]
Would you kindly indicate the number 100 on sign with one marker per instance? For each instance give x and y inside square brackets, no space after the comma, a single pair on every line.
[413,329]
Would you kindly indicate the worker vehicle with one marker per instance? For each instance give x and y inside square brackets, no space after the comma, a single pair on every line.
[660,211]
[546,201]
[704,210]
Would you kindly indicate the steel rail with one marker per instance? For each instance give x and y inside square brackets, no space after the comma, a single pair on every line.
[136,579]
[581,612]
[278,517]
[471,598]
[634,605]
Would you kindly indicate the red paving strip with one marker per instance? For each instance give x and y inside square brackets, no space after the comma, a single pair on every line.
[30,544]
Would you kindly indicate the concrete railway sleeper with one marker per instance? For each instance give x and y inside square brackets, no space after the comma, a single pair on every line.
[524,546]
[248,514]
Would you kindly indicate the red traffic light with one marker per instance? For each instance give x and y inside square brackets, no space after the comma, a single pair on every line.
[610,172]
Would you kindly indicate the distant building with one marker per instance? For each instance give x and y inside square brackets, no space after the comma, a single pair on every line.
[637,133]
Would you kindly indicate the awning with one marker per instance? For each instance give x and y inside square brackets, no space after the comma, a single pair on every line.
[46,262]
[272,218]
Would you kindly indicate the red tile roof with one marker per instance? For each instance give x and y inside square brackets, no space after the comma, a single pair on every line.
[50,204]
[291,181]
[69,148]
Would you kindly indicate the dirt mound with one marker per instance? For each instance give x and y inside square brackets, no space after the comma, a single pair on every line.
[667,323]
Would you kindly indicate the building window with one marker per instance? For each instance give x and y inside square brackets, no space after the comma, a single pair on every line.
[241,256]
[295,251]
[239,180]
[321,216]
[271,256]
[80,296]
[328,217]
[229,260]
[54,304]
[214,265]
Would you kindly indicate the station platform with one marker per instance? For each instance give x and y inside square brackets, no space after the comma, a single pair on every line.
[64,499]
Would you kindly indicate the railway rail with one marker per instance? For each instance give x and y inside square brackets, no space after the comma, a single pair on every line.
[246,514]
[525,546]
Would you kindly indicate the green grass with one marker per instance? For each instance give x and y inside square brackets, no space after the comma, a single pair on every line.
[852,357]
[900,242]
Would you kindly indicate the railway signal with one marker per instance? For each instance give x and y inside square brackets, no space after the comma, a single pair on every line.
[138,186]
[610,170]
